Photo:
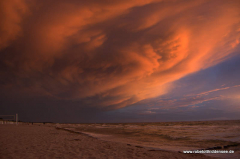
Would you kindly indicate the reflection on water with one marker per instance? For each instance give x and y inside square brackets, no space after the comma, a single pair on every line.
[174,136]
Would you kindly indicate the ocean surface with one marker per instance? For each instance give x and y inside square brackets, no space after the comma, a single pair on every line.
[171,136]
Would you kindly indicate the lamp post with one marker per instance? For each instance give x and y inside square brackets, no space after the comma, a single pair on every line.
[16,119]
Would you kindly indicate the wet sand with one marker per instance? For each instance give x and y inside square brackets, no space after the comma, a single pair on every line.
[46,141]
[170,136]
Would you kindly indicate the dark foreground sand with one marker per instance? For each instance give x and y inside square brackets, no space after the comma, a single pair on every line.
[33,141]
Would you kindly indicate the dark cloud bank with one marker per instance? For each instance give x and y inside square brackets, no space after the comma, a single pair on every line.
[73,61]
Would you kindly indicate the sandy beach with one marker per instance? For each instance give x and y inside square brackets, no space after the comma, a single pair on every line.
[45,141]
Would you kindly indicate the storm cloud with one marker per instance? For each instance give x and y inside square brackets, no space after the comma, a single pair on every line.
[111,54]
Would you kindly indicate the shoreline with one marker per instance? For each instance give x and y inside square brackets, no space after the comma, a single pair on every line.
[99,137]
[89,131]
[44,141]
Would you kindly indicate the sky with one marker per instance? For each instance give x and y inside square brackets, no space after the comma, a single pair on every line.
[80,61]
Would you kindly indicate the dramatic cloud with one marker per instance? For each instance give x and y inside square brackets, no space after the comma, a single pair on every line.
[111,54]
[11,15]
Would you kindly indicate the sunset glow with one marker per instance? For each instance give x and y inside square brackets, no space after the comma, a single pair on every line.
[142,57]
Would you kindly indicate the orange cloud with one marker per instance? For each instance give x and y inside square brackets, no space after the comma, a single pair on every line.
[215,90]
[113,54]
[11,15]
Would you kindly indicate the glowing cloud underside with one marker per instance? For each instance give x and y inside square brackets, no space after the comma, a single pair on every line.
[119,52]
